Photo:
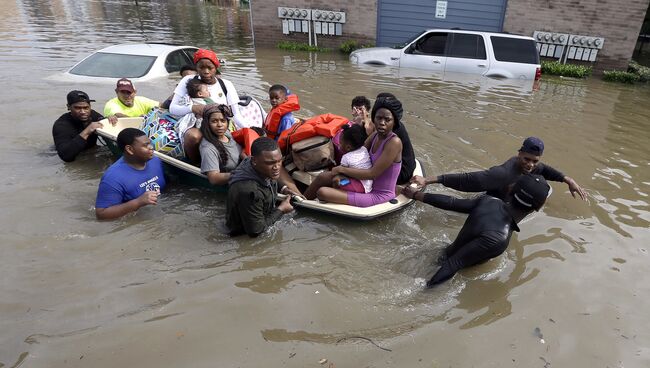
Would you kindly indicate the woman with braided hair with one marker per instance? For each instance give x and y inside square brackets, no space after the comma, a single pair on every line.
[220,154]
[385,149]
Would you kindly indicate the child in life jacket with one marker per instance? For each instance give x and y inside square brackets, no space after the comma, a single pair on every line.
[280,118]
[355,155]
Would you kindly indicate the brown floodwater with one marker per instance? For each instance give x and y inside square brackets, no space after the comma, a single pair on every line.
[166,288]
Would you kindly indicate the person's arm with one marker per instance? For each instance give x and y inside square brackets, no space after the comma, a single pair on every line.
[477,181]
[210,165]
[575,188]
[251,207]
[179,105]
[441,201]
[392,149]
[285,123]
[218,178]
[68,143]
[119,210]
[550,173]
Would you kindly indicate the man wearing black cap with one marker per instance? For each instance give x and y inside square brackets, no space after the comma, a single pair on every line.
[496,180]
[491,221]
[74,131]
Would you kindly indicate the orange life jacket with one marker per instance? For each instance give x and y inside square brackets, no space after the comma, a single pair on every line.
[245,137]
[272,121]
[326,125]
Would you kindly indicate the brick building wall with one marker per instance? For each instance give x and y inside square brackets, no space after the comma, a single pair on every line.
[360,25]
[618,21]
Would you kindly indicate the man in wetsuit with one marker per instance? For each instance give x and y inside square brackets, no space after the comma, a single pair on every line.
[491,221]
[74,131]
[496,180]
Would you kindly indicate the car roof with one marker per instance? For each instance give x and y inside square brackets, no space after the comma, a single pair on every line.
[502,34]
[147,49]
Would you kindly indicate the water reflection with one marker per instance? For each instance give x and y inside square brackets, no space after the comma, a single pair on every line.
[68,278]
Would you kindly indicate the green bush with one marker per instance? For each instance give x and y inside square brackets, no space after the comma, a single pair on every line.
[643,72]
[299,46]
[565,70]
[620,76]
[348,46]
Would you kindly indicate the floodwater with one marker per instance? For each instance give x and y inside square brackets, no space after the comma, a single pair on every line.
[166,288]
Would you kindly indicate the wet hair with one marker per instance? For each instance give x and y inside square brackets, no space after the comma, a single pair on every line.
[386,95]
[209,136]
[127,136]
[393,105]
[361,101]
[263,144]
[355,135]
[194,87]
[185,68]
[278,88]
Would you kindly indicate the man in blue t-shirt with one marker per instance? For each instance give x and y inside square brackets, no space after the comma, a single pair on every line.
[134,181]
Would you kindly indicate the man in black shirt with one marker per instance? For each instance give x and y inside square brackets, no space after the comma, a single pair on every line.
[496,180]
[74,131]
[489,226]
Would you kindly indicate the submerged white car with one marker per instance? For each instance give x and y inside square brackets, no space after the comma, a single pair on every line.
[138,62]
[499,55]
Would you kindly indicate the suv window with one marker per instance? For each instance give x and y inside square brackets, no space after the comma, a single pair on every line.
[431,44]
[469,46]
[515,50]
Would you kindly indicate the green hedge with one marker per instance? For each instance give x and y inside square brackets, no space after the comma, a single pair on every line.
[565,70]
[298,46]
[620,76]
[348,46]
[643,72]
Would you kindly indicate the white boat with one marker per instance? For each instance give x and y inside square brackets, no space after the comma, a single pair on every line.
[190,174]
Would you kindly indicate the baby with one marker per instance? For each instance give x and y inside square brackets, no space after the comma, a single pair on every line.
[355,156]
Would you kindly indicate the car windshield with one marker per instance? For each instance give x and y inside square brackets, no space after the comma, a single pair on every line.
[402,45]
[108,65]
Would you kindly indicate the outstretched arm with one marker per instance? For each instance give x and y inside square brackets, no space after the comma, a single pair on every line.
[575,188]
[477,181]
[550,173]
[441,201]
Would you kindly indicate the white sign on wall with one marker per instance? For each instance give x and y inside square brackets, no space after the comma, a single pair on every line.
[441,9]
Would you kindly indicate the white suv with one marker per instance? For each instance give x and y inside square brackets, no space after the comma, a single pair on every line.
[500,55]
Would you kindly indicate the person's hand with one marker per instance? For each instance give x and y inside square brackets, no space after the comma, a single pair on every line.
[575,188]
[409,191]
[112,119]
[198,109]
[418,180]
[336,181]
[289,191]
[285,206]
[149,198]
[337,170]
[92,127]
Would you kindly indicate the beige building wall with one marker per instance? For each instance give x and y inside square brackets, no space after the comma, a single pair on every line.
[618,21]
[360,25]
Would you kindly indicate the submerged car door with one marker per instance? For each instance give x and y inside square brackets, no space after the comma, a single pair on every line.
[427,52]
[466,54]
